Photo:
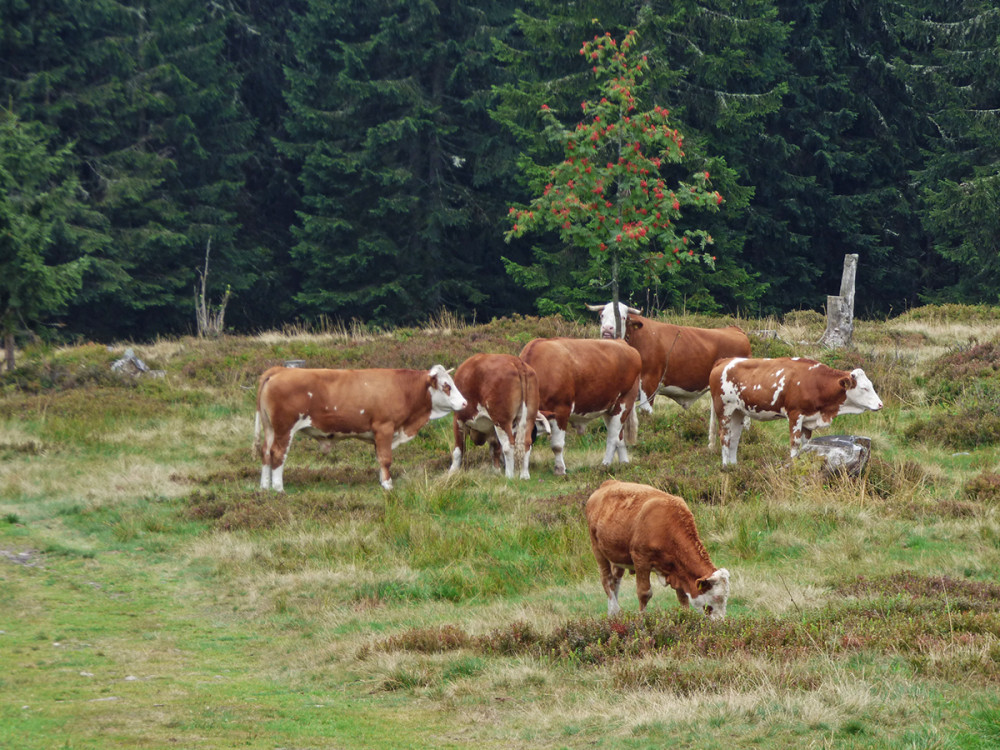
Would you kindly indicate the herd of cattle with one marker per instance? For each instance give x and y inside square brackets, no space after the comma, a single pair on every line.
[554,383]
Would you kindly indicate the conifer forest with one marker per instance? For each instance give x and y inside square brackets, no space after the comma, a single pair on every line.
[332,160]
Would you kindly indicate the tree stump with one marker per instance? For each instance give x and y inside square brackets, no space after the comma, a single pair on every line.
[840,310]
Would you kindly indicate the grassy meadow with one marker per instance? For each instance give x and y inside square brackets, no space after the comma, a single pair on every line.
[152,597]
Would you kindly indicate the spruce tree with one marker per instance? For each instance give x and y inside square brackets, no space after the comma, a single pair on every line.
[387,120]
[151,105]
[950,60]
[46,233]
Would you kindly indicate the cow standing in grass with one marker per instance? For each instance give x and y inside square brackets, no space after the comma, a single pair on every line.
[638,528]
[676,360]
[384,407]
[580,380]
[502,404]
[807,393]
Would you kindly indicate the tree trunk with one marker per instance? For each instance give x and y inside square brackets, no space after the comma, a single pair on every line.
[8,345]
[840,310]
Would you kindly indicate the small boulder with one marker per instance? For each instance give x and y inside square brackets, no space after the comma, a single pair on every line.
[841,453]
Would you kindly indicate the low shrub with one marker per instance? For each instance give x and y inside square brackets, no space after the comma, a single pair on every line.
[964,429]
[983,488]
[970,369]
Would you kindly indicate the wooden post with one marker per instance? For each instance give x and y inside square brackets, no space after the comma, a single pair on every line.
[840,310]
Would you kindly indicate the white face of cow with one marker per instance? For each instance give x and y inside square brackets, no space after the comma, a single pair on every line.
[714,595]
[608,319]
[861,397]
[445,396]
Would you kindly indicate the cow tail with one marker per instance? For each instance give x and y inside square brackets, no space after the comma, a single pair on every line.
[522,424]
[713,425]
[260,421]
[632,427]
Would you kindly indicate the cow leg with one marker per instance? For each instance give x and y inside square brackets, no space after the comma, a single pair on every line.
[504,444]
[682,597]
[730,430]
[796,432]
[642,586]
[273,462]
[558,442]
[611,578]
[456,455]
[644,402]
[383,452]
[527,460]
[616,443]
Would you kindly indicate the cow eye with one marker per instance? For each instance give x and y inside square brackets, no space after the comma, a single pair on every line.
[446,389]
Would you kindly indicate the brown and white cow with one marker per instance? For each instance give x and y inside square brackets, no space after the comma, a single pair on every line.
[582,379]
[502,403]
[384,407]
[807,393]
[676,360]
[639,528]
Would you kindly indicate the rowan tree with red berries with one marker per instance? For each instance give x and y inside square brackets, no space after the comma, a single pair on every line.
[611,195]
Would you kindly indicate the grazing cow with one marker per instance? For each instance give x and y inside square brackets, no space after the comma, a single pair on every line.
[581,379]
[676,360]
[384,407]
[639,528]
[502,395]
[807,393]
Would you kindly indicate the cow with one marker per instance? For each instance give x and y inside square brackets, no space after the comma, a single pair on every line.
[502,405]
[639,528]
[807,393]
[581,379]
[380,406]
[676,360]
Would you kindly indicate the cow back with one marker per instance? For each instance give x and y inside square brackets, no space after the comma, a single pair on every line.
[682,356]
[591,374]
[500,383]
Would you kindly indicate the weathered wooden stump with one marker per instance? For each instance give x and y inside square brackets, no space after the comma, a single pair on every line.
[840,310]
[841,453]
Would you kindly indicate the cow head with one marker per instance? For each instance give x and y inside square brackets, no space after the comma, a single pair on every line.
[445,396]
[861,394]
[608,318]
[713,592]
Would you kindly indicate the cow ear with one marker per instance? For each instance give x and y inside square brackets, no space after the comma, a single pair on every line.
[633,325]
[703,584]
[848,382]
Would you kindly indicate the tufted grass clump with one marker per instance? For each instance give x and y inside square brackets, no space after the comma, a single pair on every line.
[972,369]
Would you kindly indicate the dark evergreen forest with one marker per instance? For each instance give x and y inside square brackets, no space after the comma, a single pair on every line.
[345,159]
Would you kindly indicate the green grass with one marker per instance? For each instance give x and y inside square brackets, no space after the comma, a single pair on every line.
[153,597]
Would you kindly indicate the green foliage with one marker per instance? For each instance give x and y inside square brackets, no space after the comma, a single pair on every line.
[148,100]
[44,232]
[387,122]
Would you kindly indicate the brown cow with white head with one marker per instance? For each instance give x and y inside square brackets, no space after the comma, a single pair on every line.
[676,360]
[380,406]
[807,393]
[639,528]
[502,404]
[582,379]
